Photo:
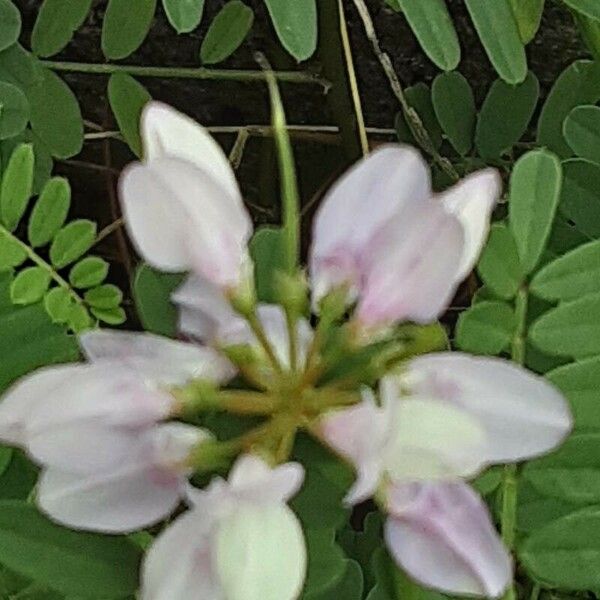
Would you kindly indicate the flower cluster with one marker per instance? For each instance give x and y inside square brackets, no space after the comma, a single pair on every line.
[119,437]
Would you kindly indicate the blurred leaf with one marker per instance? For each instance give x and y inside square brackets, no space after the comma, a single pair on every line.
[226,32]
[49,212]
[582,132]
[499,35]
[10,24]
[12,253]
[72,241]
[296,25]
[124,29]
[589,8]
[580,197]
[505,115]
[326,562]
[17,182]
[455,110]
[79,319]
[113,316]
[535,187]
[88,272]
[106,296]
[58,303]
[14,110]
[29,285]
[435,31]
[267,249]
[184,15]
[127,99]
[56,23]
[528,15]
[349,586]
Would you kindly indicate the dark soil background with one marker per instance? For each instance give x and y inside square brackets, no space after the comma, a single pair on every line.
[218,103]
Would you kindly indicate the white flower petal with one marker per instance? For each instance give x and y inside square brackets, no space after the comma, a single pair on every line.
[523,414]
[442,535]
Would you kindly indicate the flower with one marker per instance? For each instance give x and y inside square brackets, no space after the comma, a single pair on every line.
[443,418]
[239,541]
[182,205]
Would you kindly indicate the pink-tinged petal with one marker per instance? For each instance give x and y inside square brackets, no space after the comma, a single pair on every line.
[167,132]
[156,358]
[411,267]
[356,207]
[442,535]
[180,218]
[179,565]
[523,414]
[472,201]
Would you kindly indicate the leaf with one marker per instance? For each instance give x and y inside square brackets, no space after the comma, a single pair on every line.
[535,187]
[419,98]
[267,249]
[296,25]
[528,15]
[71,242]
[570,276]
[499,35]
[577,84]
[66,561]
[589,8]
[12,253]
[105,296]
[326,562]
[56,23]
[566,552]
[124,29]
[226,32]
[590,32]
[55,115]
[454,106]
[571,329]
[431,23]
[14,110]
[582,132]
[17,66]
[49,212]
[580,383]
[29,285]
[486,328]
[499,266]
[349,586]
[58,303]
[113,316]
[152,291]
[79,319]
[15,190]
[10,24]
[580,197]
[505,115]
[127,99]
[184,15]
[88,272]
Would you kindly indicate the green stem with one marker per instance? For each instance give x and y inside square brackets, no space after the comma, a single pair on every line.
[290,319]
[261,336]
[185,72]
[40,262]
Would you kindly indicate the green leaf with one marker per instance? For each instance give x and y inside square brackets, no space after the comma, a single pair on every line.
[79,319]
[267,249]
[577,84]
[56,23]
[19,67]
[505,115]
[67,561]
[14,110]
[419,98]
[349,586]
[499,266]
[113,316]
[499,35]
[566,552]
[582,132]
[226,32]
[589,8]
[571,329]
[152,291]
[580,197]
[127,99]
[56,116]
[455,110]
[326,562]
[580,383]
[58,303]
[49,212]
[184,15]
[17,182]
[486,328]
[528,15]
[10,24]
[88,272]
[296,25]
[12,253]
[590,32]
[106,296]
[570,276]
[535,187]
[433,27]
[123,29]
[29,285]
[71,242]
